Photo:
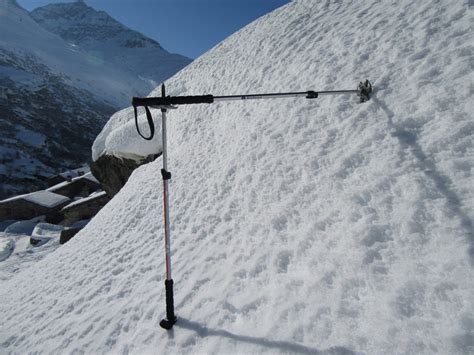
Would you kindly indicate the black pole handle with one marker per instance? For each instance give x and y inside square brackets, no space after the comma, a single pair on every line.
[164,101]
[172,100]
[170,319]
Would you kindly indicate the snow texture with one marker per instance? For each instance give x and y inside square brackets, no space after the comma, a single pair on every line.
[298,226]
[6,247]
[23,256]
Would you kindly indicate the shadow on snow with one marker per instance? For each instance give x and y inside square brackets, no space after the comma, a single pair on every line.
[283,346]
[408,139]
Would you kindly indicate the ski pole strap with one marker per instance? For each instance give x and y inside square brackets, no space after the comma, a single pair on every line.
[163,102]
[150,123]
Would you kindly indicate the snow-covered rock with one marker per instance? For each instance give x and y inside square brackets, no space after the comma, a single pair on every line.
[44,232]
[23,227]
[297,225]
[119,137]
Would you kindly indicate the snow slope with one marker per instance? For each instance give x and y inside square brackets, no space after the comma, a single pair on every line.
[297,226]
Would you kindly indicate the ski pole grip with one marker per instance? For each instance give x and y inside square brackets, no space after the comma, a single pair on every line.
[172,100]
[169,301]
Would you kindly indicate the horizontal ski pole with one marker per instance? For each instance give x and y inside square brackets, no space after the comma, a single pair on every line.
[308,94]
[364,91]
[209,99]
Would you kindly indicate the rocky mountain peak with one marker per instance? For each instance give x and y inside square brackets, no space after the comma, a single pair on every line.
[83,25]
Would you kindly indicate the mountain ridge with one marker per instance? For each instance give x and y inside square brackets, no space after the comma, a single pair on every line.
[110,41]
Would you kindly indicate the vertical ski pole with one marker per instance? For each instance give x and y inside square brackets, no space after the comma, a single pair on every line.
[170,319]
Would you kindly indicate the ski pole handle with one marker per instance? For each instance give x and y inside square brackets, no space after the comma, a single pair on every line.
[163,102]
[172,100]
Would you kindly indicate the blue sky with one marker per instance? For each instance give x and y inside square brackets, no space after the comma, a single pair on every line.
[188,27]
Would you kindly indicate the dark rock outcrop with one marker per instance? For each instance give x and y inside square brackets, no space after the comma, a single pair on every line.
[67,234]
[113,172]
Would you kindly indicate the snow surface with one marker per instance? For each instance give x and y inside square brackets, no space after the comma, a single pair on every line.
[16,251]
[297,225]
[6,247]
[24,256]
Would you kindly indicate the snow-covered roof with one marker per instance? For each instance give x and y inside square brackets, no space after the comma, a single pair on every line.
[17,197]
[42,198]
[87,176]
[46,198]
[58,186]
[93,196]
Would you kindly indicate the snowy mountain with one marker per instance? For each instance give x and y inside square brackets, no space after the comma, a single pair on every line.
[298,226]
[107,40]
[55,96]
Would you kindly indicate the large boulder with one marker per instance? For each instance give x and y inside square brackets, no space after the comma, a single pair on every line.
[113,172]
